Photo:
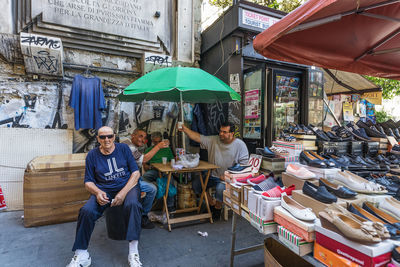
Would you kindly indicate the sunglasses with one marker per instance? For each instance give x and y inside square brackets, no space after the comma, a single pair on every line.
[109,136]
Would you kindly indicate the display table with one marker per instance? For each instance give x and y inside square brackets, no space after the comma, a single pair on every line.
[309,258]
[168,170]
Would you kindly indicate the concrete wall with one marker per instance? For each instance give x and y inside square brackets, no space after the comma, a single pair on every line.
[6,17]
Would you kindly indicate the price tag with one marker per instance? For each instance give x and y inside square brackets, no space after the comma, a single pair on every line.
[255,162]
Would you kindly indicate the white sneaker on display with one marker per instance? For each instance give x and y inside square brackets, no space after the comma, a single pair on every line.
[134,260]
[80,261]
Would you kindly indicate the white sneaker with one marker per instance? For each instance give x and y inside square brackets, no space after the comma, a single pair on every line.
[134,260]
[80,261]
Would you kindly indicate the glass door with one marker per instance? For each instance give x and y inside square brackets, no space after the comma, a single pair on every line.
[286,106]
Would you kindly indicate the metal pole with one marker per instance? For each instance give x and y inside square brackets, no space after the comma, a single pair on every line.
[182,120]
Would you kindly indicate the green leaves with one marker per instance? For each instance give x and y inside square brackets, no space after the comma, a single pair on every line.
[282,5]
[391,88]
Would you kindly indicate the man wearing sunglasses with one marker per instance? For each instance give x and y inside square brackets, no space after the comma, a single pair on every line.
[223,150]
[111,177]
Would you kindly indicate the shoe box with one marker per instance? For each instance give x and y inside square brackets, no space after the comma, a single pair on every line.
[277,254]
[236,192]
[371,148]
[263,226]
[356,148]
[289,179]
[336,148]
[273,164]
[312,203]
[305,230]
[383,144]
[245,195]
[293,148]
[233,203]
[295,243]
[260,207]
[330,258]
[364,255]
[328,173]
[244,212]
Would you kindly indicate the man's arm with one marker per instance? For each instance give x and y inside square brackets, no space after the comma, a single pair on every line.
[132,182]
[195,136]
[101,196]
[156,148]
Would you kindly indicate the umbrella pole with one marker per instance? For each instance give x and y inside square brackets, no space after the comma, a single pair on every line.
[182,120]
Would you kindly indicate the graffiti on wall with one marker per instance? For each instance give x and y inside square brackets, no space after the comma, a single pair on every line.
[42,54]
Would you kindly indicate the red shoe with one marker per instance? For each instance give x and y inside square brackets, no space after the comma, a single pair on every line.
[257,180]
[244,180]
[288,190]
[273,194]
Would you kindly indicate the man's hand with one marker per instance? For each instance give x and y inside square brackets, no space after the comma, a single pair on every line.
[102,198]
[118,199]
[163,144]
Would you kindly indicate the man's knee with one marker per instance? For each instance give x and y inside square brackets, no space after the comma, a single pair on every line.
[87,211]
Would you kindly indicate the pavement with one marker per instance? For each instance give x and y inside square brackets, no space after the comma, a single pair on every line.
[51,245]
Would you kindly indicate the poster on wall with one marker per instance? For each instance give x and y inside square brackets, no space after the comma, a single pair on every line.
[252,104]
[348,111]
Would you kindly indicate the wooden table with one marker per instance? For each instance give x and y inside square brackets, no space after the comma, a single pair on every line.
[168,170]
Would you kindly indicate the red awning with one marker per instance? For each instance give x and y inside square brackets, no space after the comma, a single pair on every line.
[361,36]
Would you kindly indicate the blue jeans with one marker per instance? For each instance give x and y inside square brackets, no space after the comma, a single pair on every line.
[212,181]
[151,176]
[151,191]
[92,211]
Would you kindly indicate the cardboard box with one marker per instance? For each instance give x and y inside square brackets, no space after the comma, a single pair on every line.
[245,196]
[295,243]
[371,256]
[253,202]
[236,207]
[276,164]
[228,187]
[264,227]
[330,258]
[266,208]
[236,192]
[227,199]
[277,255]
[293,148]
[53,189]
[306,230]
[289,179]
[312,203]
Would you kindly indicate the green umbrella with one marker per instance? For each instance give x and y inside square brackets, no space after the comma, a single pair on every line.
[179,84]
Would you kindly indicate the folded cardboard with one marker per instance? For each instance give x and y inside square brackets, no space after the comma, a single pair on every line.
[236,192]
[329,258]
[277,255]
[295,243]
[53,189]
[365,255]
[312,203]
[289,179]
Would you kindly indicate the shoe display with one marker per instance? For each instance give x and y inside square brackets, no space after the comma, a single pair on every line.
[371,131]
[350,228]
[390,207]
[237,168]
[319,193]
[276,192]
[296,209]
[265,185]
[134,260]
[266,152]
[146,223]
[338,190]
[329,164]
[300,172]
[256,180]
[358,184]
[381,214]
[244,180]
[319,133]
[307,159]
[81,261]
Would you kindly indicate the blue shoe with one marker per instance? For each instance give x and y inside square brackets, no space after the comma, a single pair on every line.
[267,153]
[237,168]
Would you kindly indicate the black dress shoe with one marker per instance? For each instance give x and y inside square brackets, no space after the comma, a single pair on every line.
[369,130]
[338,190]
[344,161]
[307,159]
[329,163]
[319,133]
[319,193]
[396,255]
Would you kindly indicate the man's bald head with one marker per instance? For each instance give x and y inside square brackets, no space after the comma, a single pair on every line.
[105,130]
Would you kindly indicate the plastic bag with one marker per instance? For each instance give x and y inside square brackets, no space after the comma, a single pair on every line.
[190,160]
[162,185]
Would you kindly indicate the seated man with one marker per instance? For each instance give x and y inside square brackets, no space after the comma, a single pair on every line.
[224,150]
[152,175]
[137,138]
[111,176]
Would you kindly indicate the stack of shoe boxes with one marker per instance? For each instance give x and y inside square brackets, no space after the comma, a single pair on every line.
[336,148]
[307,140]
[371,149]
[261,213]
[294,150]
[383,144]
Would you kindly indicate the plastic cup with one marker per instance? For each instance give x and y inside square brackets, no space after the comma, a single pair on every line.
[172,162]
[164,160]
[180,125]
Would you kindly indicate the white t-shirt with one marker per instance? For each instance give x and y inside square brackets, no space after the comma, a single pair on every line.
[224,155]
[137,155]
